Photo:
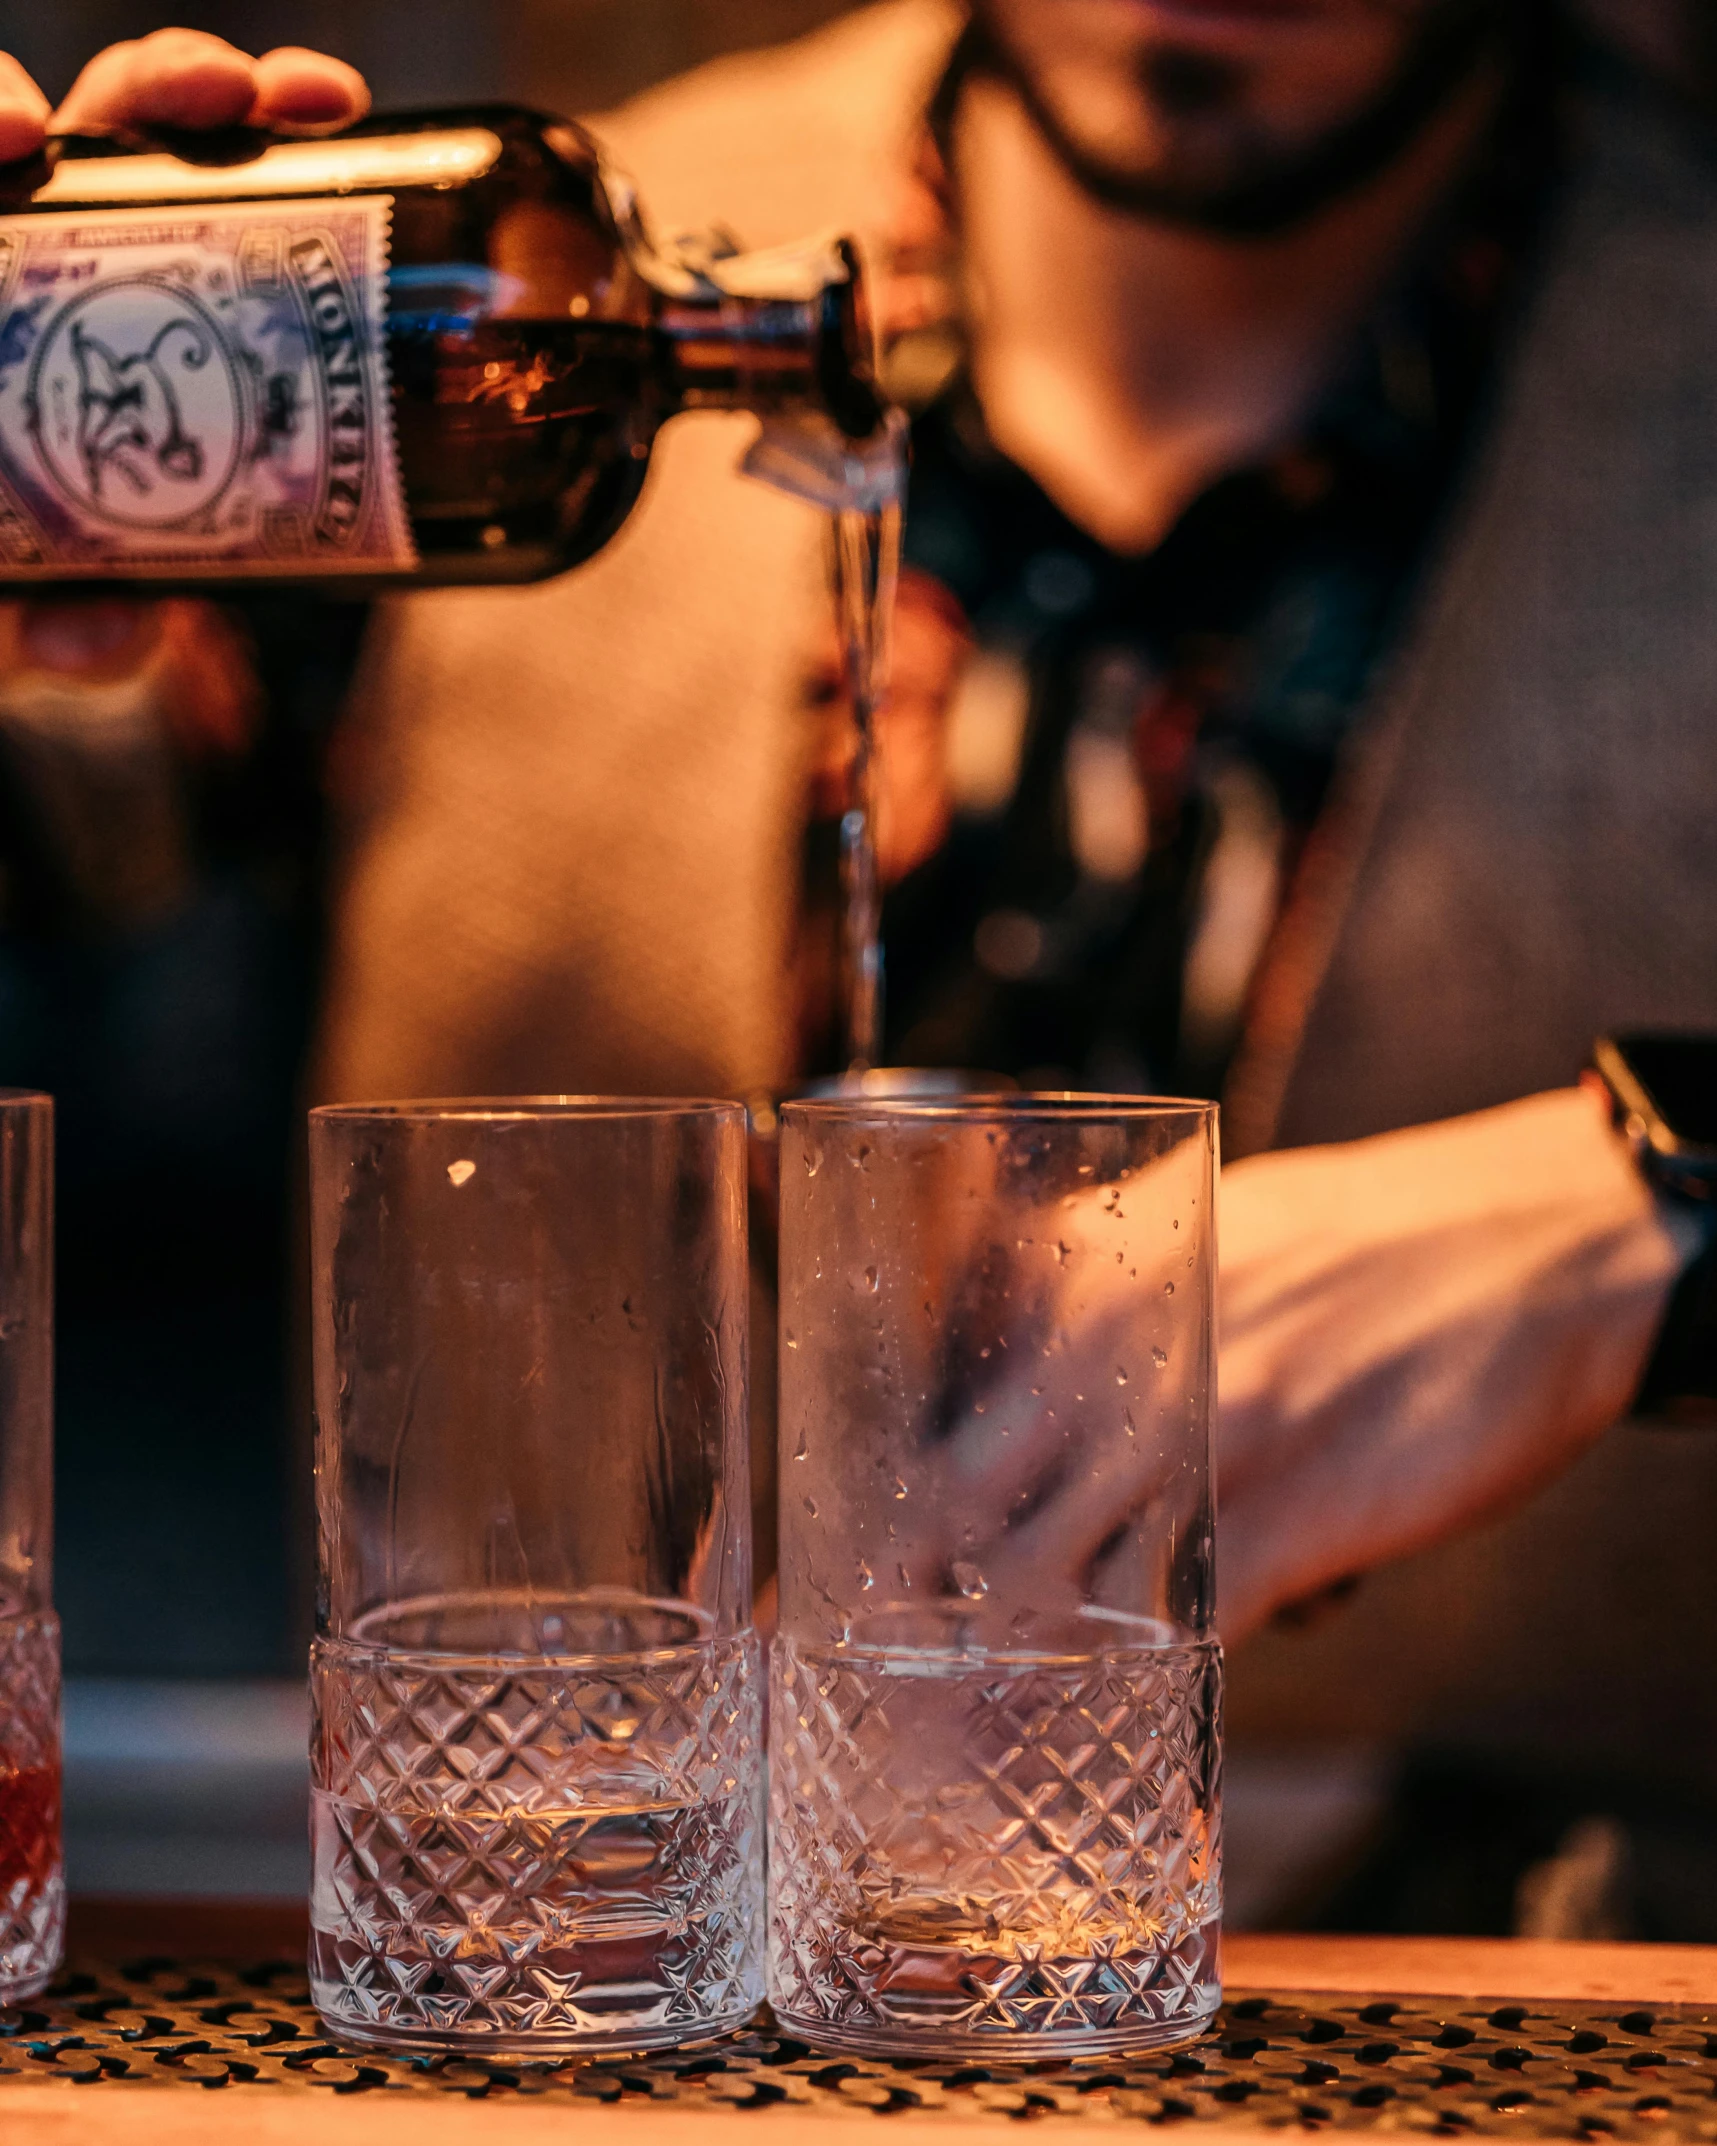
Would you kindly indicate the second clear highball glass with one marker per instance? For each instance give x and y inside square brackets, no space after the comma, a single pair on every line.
[536,1756]
[995,1733]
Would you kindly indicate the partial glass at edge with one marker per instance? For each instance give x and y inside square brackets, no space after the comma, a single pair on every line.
[995,1709]
[536,1754]
[32,1882]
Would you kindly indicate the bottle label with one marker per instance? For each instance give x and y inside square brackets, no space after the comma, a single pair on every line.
[193,393]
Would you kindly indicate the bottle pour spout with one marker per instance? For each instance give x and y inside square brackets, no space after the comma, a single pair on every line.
[811,459]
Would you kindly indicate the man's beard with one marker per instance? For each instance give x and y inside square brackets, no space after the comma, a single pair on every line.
[1270,187]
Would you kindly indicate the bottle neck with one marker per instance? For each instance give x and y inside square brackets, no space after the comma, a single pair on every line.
[743,353]
[781,351]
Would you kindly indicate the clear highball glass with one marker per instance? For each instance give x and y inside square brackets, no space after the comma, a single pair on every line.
[536,1754]
[995,1697]
[32,1879]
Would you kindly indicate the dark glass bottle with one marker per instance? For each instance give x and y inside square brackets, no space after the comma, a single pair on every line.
[433,349]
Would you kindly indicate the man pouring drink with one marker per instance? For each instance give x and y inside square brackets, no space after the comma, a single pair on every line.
[1251,356]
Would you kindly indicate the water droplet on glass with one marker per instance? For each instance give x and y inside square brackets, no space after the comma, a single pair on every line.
[899,1488]
[1120,1375]
[461,1173]
[905,1577]
[984,1355]
[801,1451]
[870,1276]
[810,1505]
[1168,1289]
[1063,1252]
[789,1337]
[1160,1358]
[1127,1419]
[969,1580]
[866,1578]
[1177,1225]
[813,1161]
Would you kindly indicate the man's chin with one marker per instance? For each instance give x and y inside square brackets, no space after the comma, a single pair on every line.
[1217,20]
[1225,174]
[1245,33]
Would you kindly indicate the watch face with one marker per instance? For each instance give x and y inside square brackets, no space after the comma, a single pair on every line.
[1679,1074]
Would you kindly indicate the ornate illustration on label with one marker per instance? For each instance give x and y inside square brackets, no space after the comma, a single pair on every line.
[203,391]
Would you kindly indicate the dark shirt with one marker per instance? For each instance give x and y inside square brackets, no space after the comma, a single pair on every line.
[1188,707]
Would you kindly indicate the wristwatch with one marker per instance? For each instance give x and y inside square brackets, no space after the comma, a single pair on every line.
[1663,1097]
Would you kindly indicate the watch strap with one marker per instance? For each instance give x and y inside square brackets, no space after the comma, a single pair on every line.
[1680,1382]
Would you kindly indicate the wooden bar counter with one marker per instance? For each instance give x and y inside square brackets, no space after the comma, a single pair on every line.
[184,2024]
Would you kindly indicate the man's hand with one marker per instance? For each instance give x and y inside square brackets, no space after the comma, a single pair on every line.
[1418,1330]
[183,78]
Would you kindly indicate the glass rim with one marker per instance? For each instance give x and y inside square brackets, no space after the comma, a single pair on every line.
[527,1109]
[1049,1107]
[378,1642]
[25,1098]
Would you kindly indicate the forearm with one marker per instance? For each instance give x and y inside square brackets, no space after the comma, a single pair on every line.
[1422,1329]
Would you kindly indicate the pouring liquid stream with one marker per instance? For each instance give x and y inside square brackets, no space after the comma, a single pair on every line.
[866,570]
[861,486]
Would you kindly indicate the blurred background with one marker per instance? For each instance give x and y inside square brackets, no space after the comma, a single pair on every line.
[581,55]
[568,55]
[195,1783]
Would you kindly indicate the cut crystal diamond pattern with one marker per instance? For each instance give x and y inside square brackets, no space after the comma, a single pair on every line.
[32,1879]
[557,1856]
[962,1850]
